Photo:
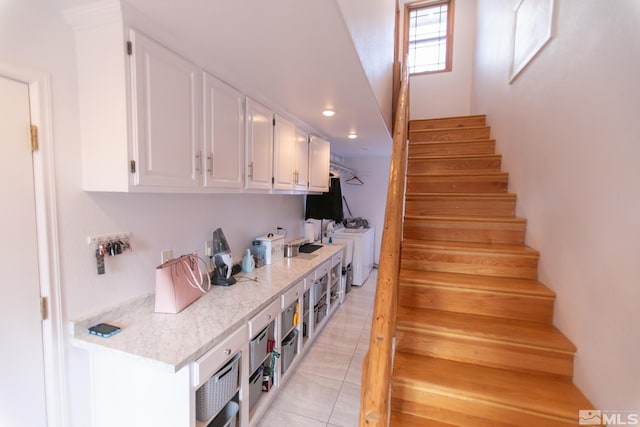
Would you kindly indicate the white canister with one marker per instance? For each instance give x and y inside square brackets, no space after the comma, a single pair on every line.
[309,231]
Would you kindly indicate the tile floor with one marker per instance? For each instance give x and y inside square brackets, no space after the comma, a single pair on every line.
[324,390]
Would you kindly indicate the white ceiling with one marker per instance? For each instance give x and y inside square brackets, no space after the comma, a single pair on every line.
[296,56]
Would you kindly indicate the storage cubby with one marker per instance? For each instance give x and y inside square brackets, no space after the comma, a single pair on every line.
[218,391]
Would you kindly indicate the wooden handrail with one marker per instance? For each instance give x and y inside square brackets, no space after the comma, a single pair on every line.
[377,367]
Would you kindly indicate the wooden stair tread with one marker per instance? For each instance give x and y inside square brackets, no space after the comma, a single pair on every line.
[458,173]
[475,282]
[453,141]
[478,219]
[400,419]
[454,156]
[507,389]
[520,250]
[451,196]
[455,128]
[433,123]
[518,332]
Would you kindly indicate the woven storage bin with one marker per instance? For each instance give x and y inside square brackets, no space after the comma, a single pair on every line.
[218,390]
[227,417]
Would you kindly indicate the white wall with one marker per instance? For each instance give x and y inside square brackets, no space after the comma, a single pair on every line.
[448,94]
[368,200]
[568,129]
[34,35]
[371,25]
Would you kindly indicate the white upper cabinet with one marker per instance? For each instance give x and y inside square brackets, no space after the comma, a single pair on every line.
[224,132]
[259,158]
[167,105]
[284,154]
[319,156]
[301,172]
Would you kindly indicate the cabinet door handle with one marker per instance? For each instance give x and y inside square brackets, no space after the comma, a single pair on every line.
[227,351]
[198,157]
[210,164]
[251,170]
[268,316]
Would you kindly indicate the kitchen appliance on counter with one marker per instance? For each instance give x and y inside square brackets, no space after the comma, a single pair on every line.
[223,262]
[274,244]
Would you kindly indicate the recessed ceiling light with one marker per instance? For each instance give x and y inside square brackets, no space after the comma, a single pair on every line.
[352,135]
[328,113]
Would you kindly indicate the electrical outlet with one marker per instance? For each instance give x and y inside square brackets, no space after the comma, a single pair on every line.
[166,255]
[208,248]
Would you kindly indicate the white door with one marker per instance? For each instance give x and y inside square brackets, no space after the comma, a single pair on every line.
[167,92]
[284,145]
[223,135]
[22,395]
[319,156]
[302,160]
[259,168]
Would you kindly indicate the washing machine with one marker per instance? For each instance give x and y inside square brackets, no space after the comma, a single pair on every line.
[363,251]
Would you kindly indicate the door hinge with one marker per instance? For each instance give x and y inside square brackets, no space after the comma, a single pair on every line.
[132,166]
[44,308]
[129,48]
[274,121]
[34,138]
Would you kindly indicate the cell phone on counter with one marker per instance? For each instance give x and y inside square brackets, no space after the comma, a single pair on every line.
[104,330]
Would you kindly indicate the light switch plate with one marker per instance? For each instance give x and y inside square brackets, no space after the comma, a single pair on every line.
[166,255]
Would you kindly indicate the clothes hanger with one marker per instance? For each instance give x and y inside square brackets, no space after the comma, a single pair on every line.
[354,180]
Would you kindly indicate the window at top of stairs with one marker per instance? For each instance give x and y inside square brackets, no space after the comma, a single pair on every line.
[428,35]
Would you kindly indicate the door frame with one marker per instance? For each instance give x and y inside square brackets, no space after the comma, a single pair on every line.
[53,338]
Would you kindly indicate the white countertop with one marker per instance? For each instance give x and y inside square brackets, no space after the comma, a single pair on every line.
[171,341]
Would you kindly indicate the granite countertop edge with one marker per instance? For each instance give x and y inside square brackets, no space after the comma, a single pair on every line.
[172,341]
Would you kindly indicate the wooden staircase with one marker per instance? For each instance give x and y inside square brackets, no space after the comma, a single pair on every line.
[475,341]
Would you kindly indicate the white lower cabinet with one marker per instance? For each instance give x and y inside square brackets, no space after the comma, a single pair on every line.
[234,382]
[217,382]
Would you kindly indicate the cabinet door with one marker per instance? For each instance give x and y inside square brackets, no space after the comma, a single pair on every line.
[259,171]
[301,172]
[224,130]
[284,146]
[319,154]
[166,121]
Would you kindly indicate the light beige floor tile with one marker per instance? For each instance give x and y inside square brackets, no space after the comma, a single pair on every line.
[339,336]
[328,362]
[354,373]
[279,418]
[346,410]
[308,395]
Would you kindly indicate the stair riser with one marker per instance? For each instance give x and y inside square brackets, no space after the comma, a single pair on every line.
[462,412]
[500,355]
[471,301]
[457,184]
[473,164]
[465,231]
[448,123]
[462,206]
[470,262]
[457,134]
[452,148]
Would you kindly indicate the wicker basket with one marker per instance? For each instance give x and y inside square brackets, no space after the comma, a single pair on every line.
[227,417]
[213,395]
